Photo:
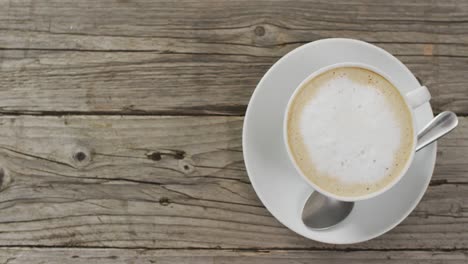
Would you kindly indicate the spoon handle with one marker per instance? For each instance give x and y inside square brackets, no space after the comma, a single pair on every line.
[437,128]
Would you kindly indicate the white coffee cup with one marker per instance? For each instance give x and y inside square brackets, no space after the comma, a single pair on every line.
[413,100]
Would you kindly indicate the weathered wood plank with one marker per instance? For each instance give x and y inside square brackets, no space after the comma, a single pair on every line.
[128,82]
[196,57]
[188,25]
[175,182]
[452,156]
[117,256]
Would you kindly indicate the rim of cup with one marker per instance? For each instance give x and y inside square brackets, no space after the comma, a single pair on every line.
[291,157]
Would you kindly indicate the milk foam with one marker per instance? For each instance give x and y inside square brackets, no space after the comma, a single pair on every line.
[350,131]
[346,126]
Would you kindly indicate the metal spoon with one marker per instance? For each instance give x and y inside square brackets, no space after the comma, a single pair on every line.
[437,128]
[321,212]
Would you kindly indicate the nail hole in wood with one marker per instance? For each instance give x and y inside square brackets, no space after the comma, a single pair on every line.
[157,155]
[179,155]
[154,156]
[164,201]
[186,167]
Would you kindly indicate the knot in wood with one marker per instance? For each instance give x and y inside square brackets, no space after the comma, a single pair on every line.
[186,167]
[259,31]
[81,156]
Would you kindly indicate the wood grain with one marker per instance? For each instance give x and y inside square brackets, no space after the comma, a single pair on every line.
[117,256]
[176,182]
[200,57]
[79,183]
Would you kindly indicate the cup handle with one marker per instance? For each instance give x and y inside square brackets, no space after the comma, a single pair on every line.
[418,97]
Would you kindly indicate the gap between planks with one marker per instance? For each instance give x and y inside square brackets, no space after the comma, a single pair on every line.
[253,250]
[137,113]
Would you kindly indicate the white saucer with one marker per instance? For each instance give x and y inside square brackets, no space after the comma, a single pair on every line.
[281,189]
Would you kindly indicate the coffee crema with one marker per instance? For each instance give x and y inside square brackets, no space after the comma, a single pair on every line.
[350,131]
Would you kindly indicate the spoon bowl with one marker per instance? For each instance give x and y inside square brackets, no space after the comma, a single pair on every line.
[321,212]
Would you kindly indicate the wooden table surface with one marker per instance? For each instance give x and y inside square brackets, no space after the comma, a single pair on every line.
[121,120]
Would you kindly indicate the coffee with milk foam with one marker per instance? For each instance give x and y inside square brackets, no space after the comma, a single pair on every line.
[350,131]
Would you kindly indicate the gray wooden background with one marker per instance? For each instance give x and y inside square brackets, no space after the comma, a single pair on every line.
[121,120]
